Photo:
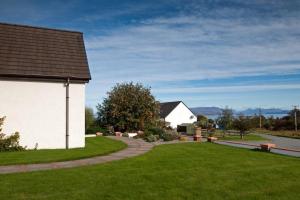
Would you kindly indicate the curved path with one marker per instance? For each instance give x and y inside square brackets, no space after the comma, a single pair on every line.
[284,142]
[135,147]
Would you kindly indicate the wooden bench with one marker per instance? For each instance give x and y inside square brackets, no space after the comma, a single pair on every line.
[211,139]
[267,146]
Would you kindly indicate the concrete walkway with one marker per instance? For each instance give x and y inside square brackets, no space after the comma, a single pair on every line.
[135,147]
[285,146]
[283,142]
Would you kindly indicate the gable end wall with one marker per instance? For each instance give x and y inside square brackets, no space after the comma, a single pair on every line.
[37,110]
[181,114]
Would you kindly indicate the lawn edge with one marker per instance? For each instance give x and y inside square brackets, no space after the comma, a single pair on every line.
[77,158]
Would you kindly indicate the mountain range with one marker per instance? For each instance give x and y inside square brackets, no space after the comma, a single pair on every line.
[248,111]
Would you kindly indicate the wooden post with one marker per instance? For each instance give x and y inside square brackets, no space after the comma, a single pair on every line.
[296,128]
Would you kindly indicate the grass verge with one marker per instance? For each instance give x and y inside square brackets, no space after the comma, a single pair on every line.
[289,134]
[95,146]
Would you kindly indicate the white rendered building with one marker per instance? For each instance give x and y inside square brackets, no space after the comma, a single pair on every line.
[176,113]
[43,73]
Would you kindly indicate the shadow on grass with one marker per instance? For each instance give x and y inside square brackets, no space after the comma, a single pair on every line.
[260,150]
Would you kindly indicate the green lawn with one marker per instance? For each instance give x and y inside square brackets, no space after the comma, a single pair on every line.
[94,146]
[177,171]
[248,137]
[289,134]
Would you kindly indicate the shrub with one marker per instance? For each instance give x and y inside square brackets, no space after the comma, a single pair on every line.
[155,131]
[128,107]
[202,121]
[225,119]
[125,134]
[89,118]
[152,138]
[141,135]
[94,129]
[9,143]
[170,135]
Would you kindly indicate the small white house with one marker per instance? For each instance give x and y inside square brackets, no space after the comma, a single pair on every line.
[176,113]
[43,73]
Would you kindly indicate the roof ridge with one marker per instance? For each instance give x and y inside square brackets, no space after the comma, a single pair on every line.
[171,102]
[39,27]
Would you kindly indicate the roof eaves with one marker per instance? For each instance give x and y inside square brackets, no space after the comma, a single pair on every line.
[44,77]
[38,27]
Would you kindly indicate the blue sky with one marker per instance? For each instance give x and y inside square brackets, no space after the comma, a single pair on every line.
[207,53]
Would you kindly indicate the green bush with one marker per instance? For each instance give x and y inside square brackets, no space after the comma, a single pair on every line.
[9,143]
[155,131]
[128,107]
[94,129]
[170,135]
[152,138]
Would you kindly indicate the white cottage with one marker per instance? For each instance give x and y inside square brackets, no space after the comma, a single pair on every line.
[43,73]
[176,113]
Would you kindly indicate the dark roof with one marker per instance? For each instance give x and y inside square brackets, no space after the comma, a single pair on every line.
[35,52]
[167,107]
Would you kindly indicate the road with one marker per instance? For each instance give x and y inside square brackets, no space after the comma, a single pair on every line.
[292,146]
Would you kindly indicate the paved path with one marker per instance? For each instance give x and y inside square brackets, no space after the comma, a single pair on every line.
[135,147]
[286,146]
[283,142]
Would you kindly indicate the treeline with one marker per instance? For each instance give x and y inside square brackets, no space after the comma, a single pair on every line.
[277,124]
[227,121]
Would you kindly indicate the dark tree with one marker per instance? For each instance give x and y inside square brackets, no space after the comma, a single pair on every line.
[89,118]
[243,124]
[202,121]
[225,119]
[128,106]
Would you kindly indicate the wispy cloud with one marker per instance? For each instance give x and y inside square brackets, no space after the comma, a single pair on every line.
[182,48]
[212,45]
[191,48]
[227,89]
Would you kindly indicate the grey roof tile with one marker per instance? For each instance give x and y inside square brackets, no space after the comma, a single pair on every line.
[27,51]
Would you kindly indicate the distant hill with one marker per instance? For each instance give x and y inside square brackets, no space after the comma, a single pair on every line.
[268,111]
[249,111]
[206,110]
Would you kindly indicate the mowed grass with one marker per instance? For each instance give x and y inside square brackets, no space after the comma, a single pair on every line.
[94,146]
[248,137]
[176,171]
[282,133]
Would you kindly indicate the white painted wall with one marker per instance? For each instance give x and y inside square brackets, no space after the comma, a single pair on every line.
[181,114]
[38,111]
